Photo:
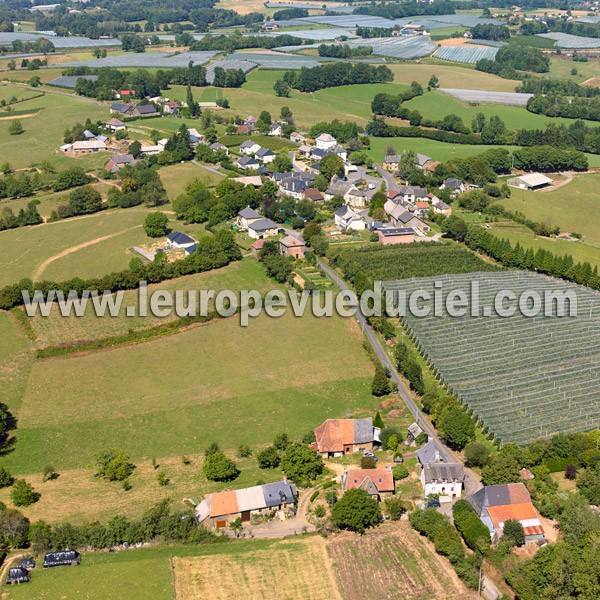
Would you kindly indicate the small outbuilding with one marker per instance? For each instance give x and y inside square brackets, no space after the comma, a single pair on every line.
[292,246]
[18,575]
[61,559]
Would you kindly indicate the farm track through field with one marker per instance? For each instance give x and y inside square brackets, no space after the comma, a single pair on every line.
[40,270]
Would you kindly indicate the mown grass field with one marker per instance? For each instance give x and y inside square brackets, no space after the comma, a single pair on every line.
[400,565]
[573,206]
[177,177]
[45,130]
[56,330]
[178,393]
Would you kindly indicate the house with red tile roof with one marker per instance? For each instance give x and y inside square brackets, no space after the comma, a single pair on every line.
[496,504]
[378,483]
[337,437]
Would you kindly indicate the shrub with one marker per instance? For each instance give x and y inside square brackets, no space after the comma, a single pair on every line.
[268,458]
[387,433]
[48,473]
[421,439]
[23,494]
[6,479]
[472,529]
[400,472]
[393,508]
[477,454]
[281,441]
[314,495]
[212,449]
[367,462]
[320,511]
[380,386]
[244,451]
[162,479]
[217,467]
[113,464]
[356,511]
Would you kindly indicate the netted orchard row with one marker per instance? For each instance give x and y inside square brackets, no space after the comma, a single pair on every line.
[362,267]
[523,377]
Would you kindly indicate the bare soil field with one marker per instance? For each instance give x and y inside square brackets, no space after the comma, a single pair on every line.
[295,569]
[393,562]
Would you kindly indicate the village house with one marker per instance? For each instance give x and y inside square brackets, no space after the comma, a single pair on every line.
[275,130]
[395,235]
[176,239]
[337,187]
[250,122]
[325,141]
[245,217]
[262,228]
[274,499]
[412,193]
[378,483]
[336,437]
[114,125]
[292,246]
[131,110]
[257,246]
[247,162]
[264,155]
[297,138]
[304,150]
[218,146]
[440,207]
[356,198]
[172,107]
[313,194]
[346,218]
[292,186]
[391,162]
[456,186]
[249,147]
[118,161]
[422,161]
[421,208]
[196,137]
[431,453]
[151,149]
[401,217]
[444,479]
[496,504]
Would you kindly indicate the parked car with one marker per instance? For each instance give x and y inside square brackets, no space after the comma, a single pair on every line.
[433,504]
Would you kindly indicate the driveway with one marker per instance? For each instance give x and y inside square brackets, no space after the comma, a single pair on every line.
[390,181]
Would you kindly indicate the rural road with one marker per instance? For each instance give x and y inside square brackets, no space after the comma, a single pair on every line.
[51,91]
[390,181]
[472,484]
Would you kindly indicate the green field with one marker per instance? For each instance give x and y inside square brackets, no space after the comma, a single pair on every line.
[177,177]
[573,206]
[45,130]
[88,246]
[435,105]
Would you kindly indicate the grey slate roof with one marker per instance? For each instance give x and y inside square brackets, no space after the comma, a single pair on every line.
[427,453]
[452,183]
[248,213]
[391,231]
[293,184]
[246,161]
[276,493]
[179,238]
[264,152]
[146,109]
[443,471]
[408,190]
[363,430]
[263,225]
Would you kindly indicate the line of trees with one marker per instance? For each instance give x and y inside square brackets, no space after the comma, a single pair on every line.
[344,51]
[336,74]
[512,58]
[555,105]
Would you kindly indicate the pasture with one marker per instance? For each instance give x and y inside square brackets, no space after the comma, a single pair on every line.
[178,393]
[44,130]
[177,177]
[86,246]
[573,206]
[524,377]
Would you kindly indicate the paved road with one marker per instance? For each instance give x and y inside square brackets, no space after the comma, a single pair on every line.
[390,182]
[472,484]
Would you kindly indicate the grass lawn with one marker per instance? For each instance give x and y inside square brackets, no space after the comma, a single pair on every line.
[435,105]
[178,393]
[574,206]
[177,177]
[560,68]
[44,131]
[56,251]
[580,252]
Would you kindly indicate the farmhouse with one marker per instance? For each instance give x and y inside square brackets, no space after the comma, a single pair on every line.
[530,181]
[219,509]
[262,228]
[395,235]
[496,504]
[337,437]
[151,149]
[346,218]
[118,161]
[431,453]
[246,216]
[378,483]
[180,240]
[444,479]
[391,162]
[115,125]
[292,246]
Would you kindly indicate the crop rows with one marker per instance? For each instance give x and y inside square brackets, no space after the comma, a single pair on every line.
[70,81]
[244,65]
[507,98]
[465,54]
[397,47]
[146,59]
[9,37]
[523,377]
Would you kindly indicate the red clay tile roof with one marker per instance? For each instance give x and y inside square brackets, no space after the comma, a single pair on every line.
[518,493]
[258,244]
[422,204]
[223,503]
[382,478]
[334,434]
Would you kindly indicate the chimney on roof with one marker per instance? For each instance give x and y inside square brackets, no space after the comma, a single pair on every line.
[437,456]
